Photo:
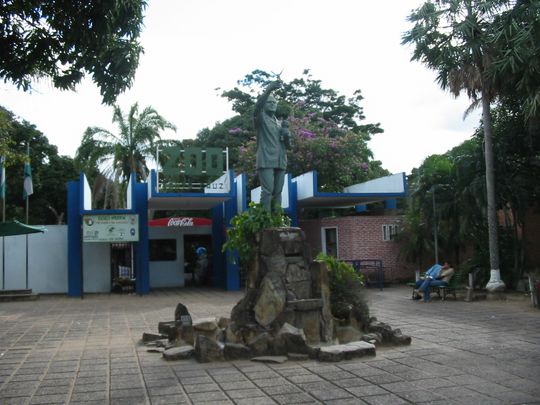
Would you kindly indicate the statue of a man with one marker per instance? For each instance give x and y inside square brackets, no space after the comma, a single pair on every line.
[272,140]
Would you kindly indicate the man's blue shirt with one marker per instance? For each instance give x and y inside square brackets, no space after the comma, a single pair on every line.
[434,271]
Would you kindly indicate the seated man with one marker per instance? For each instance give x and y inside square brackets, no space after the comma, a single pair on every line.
[436,276]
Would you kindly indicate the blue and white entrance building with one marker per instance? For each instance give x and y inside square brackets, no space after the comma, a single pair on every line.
[91,231]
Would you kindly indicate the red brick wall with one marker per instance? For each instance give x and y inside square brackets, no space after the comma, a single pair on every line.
[360,237]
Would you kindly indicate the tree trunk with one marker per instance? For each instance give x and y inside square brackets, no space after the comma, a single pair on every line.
[495,283]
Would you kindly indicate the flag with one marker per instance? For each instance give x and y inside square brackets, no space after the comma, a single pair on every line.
[28,188]
[2,177]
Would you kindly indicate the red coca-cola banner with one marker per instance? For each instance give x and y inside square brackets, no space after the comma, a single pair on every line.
[180,221]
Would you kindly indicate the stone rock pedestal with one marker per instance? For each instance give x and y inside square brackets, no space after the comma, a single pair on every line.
[283,287]
[285,313]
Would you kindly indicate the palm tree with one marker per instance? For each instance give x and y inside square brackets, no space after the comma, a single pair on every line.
[119,155]
[455,38]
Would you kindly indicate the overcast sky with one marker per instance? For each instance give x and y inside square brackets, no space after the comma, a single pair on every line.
[193,47]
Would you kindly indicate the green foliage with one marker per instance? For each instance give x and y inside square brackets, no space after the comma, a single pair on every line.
[50,173]
[347,289]
[66,39]
[244,227]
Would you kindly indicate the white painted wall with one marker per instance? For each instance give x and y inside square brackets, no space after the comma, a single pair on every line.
[171,273]
[47,261]
[96,267]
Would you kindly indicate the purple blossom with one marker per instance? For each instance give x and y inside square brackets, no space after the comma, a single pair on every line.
[364,166]
[243,150]
[304,133]
[235,131]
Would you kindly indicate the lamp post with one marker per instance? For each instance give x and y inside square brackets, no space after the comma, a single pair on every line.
[435,236]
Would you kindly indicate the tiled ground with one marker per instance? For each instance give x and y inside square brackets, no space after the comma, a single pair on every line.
[62,350]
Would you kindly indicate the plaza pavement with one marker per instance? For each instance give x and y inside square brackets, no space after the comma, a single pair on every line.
[68,350]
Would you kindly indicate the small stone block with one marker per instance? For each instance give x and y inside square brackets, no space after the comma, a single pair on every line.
[236,351]
[156,350]
[270,359]
[346,352]
[179,353]
[150,337]
[297,356]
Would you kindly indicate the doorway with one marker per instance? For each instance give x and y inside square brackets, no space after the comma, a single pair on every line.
[122,273]
[198,263]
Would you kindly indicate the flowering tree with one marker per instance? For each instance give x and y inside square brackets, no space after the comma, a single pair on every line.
[340,157]
[328,135]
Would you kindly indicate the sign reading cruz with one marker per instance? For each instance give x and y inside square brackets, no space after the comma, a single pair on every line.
[193,169]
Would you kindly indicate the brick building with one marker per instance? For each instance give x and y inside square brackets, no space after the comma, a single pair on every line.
[361,237]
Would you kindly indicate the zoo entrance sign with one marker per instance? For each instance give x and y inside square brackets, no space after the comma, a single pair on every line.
[111,228]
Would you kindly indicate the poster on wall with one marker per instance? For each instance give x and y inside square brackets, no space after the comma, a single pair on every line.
[111,228]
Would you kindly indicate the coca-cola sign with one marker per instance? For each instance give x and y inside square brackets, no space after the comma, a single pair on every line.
[182,221]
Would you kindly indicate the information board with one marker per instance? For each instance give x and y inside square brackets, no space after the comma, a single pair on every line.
[111,228]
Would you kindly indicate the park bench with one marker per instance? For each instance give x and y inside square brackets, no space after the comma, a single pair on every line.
[443,292]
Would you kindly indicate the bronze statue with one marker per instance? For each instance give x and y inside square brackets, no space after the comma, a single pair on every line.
[272,139]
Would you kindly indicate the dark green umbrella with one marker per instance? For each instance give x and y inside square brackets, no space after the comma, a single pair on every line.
[18,228]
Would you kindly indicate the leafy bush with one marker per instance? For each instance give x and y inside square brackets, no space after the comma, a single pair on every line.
[346,289]
[241,236]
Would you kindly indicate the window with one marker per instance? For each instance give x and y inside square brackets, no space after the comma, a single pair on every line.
[162,250]
[389,232]
[330,241]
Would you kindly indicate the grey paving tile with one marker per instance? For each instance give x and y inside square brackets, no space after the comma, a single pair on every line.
[515,397]
[299,398]
[244,393]
[281,389]
[128,393]
[382,378]
[89,396]
[200,387]
[270,382]
[170,390]
[420,396]
[386,399]
[351,382]
[48,399]
[168,399]
[330,394]
[237,385]
[366,390]
[211,396]
[345,401]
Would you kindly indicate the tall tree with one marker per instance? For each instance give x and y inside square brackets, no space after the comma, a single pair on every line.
[118,155]
[50,173]
[456,39]
[65,39]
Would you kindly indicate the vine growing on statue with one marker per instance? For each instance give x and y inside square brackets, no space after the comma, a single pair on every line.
[244,227]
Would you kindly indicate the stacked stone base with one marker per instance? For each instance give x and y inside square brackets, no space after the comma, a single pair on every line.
[285,312]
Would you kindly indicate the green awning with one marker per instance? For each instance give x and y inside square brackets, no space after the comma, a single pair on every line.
[18,228]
